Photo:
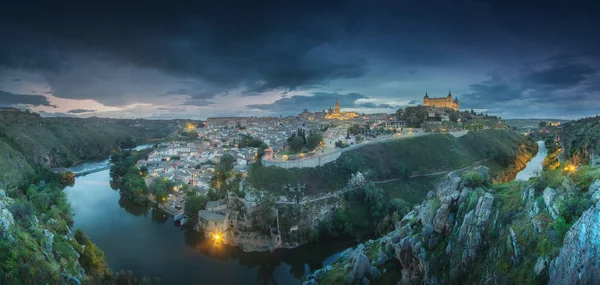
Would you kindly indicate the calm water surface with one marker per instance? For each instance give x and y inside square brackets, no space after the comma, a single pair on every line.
[146,241]
[534,166]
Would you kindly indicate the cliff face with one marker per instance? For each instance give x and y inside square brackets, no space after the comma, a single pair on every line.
[35,248]
[581,139]
[474,233]
[579,258]
[13,165]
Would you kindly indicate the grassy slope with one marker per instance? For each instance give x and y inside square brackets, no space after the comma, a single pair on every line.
[13,165]
[420,155]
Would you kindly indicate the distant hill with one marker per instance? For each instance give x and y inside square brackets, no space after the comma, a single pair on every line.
[26,139]
[530,123]
[580,140]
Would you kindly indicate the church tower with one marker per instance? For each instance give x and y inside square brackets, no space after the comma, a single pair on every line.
[337,107]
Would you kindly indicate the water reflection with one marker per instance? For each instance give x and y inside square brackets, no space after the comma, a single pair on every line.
[133,208]
[145,240]
[534,166]
[159,216]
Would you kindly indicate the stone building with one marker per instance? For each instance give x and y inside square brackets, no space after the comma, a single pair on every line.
[337,114]
[443,102]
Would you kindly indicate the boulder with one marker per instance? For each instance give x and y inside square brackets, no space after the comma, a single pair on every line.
[549,196]
[441,217]
[375,273]
[515,245]
[579,259]
[427,231]
[455,195]
[594,187]
[6,220]
[484,206]
[464,194]
[540,265]
[483,171]
[568,185]
[447,187]
[430,195]
[361,267]
[2,193]
[360,246]
[427,211]
[596,196]
[49,240]
[347,253]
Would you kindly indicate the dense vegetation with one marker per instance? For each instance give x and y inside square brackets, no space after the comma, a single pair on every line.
[127,177]
[502,149]
[300,142]
[581,139]
[40,247]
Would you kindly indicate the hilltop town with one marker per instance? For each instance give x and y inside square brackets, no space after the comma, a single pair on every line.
[213,158]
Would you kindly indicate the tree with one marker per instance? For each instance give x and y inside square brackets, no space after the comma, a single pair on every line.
[265,214]
[67,178]
[144,170]
[354,129]
[454,116]
[297,144]
[313,140]
[414,116]
[193,204]
[128,143]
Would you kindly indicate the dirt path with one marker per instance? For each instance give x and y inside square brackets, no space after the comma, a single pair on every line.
[338,193]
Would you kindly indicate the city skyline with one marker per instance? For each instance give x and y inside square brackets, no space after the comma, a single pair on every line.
[197,60]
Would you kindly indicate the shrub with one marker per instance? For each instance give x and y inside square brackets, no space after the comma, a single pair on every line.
[22,212]
[473,179]
[401,206]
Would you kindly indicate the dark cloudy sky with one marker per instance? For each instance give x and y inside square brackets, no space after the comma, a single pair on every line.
[199,59]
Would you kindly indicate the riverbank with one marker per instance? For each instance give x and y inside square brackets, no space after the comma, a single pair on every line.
[150,244]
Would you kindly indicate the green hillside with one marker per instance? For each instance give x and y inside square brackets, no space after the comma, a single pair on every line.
[503,151]
[63,142]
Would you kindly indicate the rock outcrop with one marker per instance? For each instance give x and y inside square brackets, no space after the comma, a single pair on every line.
[452,219]
[579,258]
[6,217]
[506,234]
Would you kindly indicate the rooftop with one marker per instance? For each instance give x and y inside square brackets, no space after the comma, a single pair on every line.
[212,216]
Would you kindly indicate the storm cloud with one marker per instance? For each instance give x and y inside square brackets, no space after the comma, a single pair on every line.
[10,99]
[193,52]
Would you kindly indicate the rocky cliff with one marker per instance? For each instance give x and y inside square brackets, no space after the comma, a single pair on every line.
[579,258]
[472,232]
[36,249]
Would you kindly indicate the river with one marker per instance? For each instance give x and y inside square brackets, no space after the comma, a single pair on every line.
[534,166]
[145,240]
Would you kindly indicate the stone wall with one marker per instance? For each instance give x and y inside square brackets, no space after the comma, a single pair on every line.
[304,163]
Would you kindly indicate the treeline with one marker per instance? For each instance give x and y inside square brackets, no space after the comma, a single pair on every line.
[127,177]
[300,142]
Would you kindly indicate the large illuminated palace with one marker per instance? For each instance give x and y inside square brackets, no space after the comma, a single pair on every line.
[443,102]
[336,114]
